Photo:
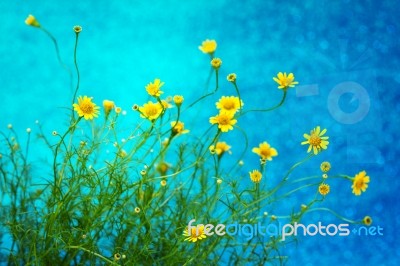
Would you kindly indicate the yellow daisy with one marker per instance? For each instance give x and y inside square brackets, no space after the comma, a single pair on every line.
[255,176]
[231,77]
[323,189]
[325,167]
[285,81]
[178,100]
[265,151]
[208,46]
[178,128]
[220,148]
[153,88]
[316,140]
[229,104]
[196,233]
[224,120]
[360,183]
[86,108]
[216,63]
[151,110]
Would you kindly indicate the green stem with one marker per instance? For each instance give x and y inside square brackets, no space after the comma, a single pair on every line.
[269,109]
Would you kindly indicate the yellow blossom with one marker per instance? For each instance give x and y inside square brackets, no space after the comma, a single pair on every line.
[151,110]
[178,128]
[325,166]
[367,220]
[231,77]
[255,176]
[285,81]
[77,29]
[178,100]
[316,140]
[323,189]
[224,120]
[108,106]
[216,63]
[360,183]
[196,233]
[220,148]
[153,88]
[32,21]
[265,151]
[208,46]
[86,108]
[229,104]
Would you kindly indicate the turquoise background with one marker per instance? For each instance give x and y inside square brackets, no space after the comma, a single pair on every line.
[126,44]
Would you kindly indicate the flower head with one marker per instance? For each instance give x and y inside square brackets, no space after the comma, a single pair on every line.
[77,29]
[231,77]
[220,148]
[216,63]
[163,183]
[178,100]
[316,140]
[229,104]
[224,120]
[265,151]
[178,128]
[32,21]
[151,110]
[285,81]
[153,88]
[325,167]
[108,106]
[255,176]
[323,189]
[196,233]
[137,209]
[367,220]
[86,108]
[208,46]
[360,183]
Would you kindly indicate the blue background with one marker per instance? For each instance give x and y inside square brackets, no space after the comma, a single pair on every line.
[126,44]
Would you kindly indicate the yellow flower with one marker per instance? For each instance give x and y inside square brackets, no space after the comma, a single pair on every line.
[151,110]
[208,46]
[108,106]
[153,88]
[367,220]
[216,63]
[224,120]
[178,128]
[137,209]
[323,189]
[360,183]
[325,166]
[118,110]
[285,81]
[229,104]
[86,108]
[265,151]
[31,21]
[255,176]
[196,233]
[77,29]
[231,77]
[163,167]
[117,256]
[178,100]
[163,183]
[220,148]
[316,140]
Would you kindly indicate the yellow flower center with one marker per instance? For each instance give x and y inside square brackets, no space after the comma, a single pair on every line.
[315,140]
[86,107]
[359,183]
[224,120]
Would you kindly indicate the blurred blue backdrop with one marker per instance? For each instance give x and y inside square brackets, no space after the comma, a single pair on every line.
[345,54]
